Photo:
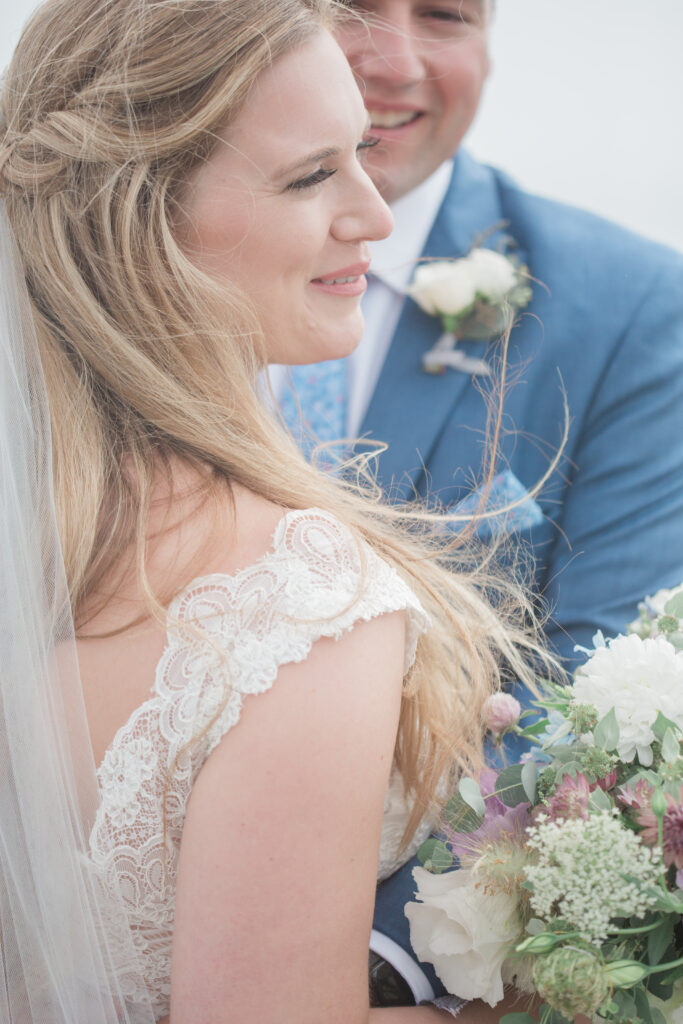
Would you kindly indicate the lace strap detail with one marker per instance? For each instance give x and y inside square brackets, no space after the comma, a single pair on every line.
[229,635]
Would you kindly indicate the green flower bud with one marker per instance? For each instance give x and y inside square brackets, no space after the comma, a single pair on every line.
[571,981]
[625,973]
[658,804]
[541,943]
[667,624]
[584,717]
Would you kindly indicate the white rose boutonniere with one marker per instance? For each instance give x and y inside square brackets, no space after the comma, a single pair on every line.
[476,298]
[464,930]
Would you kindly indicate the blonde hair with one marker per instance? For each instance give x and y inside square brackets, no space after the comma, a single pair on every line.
[106,107]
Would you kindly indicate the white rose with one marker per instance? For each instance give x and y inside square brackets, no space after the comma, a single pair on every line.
[443,287]
[493,274]
[465,932]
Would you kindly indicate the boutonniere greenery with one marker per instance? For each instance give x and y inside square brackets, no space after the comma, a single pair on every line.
[476,297]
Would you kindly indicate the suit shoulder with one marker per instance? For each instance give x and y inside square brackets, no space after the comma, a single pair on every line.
[565,234]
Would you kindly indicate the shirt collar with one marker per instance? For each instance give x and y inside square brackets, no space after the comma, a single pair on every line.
[394,258]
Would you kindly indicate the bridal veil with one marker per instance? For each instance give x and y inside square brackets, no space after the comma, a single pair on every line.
[61,929]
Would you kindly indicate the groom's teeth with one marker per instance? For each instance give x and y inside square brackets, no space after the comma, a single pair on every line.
[338,280]
[391,118]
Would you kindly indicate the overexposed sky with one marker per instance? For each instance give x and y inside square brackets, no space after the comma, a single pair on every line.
[584,104]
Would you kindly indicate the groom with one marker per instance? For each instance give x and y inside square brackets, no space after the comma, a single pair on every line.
[603,331]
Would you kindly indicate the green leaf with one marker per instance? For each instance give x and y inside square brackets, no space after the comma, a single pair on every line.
[656,1016]
[435,855]
[535,926]
[642,1005]
[599,801]
[568,768]
[674,606]
[661,724]
[517,1018]
[471,794]
[509,786]
[659,940]
[460,817]
[534,730]
[626,1004]
[670,746]
[606,732]
[529,777]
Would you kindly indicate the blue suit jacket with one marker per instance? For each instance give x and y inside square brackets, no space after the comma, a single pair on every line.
[605,328]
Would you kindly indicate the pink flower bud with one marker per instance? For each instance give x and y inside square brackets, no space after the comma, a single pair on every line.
[500,711]
[607,781]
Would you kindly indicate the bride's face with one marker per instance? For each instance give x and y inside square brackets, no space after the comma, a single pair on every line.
[284,209]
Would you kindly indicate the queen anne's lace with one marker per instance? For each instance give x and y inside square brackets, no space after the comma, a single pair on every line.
[227,638]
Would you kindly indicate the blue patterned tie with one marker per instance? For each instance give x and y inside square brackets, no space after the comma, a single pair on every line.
[320,391]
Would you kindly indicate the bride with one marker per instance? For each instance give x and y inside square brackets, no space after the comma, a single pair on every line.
[274,674]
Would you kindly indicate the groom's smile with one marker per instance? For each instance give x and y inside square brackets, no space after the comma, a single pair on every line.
[421,69]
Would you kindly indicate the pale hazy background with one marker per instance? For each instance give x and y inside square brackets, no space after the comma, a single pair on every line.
[584,104]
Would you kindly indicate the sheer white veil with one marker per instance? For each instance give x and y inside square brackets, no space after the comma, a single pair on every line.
[63,932]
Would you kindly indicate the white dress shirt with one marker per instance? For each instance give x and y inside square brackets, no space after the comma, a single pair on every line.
[393,264]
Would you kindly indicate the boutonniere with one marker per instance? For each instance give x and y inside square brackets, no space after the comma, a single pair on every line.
[476,298]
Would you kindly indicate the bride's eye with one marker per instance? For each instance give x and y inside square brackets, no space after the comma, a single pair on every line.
[312,179]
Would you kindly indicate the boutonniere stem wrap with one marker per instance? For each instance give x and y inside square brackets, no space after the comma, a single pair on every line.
[475,297]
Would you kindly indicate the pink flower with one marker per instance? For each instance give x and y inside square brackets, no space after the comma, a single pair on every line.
[570,799]
[672,829]
[500,711]
[637,796]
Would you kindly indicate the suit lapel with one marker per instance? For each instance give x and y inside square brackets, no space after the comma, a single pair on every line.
[410,407]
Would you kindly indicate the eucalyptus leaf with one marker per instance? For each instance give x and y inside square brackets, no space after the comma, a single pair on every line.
[674,606]
[599,801]
[460,817]
[509,786]
[535,926]
[529,777]
[435,855]
[606,732]
[670,746]
[517,1018]
[471,794]
[656,1016]
[661,724]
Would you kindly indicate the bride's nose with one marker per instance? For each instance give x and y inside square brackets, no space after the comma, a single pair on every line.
[364,215]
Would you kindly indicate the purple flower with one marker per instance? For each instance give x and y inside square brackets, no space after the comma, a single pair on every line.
[500,822]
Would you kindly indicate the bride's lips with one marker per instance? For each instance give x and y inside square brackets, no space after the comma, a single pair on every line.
[345,281]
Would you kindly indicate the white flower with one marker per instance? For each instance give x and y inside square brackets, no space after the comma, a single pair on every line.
[638,678]
[493,274]
[464,930]
[590,872]
[443,288]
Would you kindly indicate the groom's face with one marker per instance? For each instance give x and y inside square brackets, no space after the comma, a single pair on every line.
[421,66]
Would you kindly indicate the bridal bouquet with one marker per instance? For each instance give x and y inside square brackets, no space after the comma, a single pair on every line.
[570,879]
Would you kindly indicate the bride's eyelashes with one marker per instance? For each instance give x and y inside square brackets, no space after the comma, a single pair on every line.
[312,179]
[322,173]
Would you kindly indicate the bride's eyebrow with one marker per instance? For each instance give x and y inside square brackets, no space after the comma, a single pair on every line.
[312,158]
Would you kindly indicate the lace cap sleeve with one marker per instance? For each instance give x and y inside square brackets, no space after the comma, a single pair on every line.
[229,635]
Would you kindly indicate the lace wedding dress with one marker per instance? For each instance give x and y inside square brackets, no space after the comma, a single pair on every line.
[227,638]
